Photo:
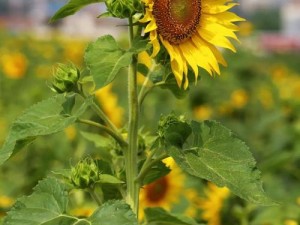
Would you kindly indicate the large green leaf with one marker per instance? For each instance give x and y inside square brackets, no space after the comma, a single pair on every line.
[217,155]
[44,118]
[105,58]
[46,206]
[114,212]
[159,216]
[72,7]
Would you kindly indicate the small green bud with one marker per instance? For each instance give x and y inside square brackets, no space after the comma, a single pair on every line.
[85,173]
[65,78]
[123,8]
[174,130]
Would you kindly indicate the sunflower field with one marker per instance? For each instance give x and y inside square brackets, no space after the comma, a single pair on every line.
[256,96]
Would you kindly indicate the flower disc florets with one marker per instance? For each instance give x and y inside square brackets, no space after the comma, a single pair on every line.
[177,20]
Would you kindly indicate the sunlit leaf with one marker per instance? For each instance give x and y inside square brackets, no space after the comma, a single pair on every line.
[217,155]
[44,118]
[47,206]
[105,58]
[71,8]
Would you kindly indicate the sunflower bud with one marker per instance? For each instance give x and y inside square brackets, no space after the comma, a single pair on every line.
[174,130]
[65,78]
[123,8]
[85,173]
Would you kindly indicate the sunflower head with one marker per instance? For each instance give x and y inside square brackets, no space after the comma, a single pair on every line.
[190,31]
[85,173]
[65,78]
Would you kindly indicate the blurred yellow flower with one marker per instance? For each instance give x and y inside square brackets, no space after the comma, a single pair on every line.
[265,96]
[73,51]
[14,65]
[82,212]
[193,197]
[279,72]
[246,28]
[290,222]
[109,103]
[239,98]
[71,132]
[6,202]
[163,192]
[212,204]
[202,112]
[225,109]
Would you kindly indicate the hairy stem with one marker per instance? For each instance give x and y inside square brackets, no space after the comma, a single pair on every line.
[131,159]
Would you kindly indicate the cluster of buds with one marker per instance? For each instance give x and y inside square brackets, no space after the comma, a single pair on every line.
[122,8]
[85,174]
[65,78]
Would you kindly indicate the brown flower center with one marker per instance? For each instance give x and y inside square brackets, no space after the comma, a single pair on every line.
[177,20]
[157,190]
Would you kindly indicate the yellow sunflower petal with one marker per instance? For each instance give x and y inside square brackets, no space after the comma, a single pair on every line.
[155,43]
[216,6]
[176,61]
[215,38]
[226,19]
[151,26]
[186,50]
[206,53]
[147,17]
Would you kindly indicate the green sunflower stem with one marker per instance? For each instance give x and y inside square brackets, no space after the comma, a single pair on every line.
[131,154]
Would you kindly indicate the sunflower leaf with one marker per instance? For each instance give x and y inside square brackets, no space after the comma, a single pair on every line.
[71,8]
[220,157]
[44,118]
[47,205]
[114,212]
[105,58]
[159,216]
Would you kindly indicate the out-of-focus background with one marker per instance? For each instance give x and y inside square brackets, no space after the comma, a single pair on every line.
[257,96]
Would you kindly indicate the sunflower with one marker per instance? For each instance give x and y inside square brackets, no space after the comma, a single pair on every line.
[164,192]
[213,203]
[14,65]
[191,31]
